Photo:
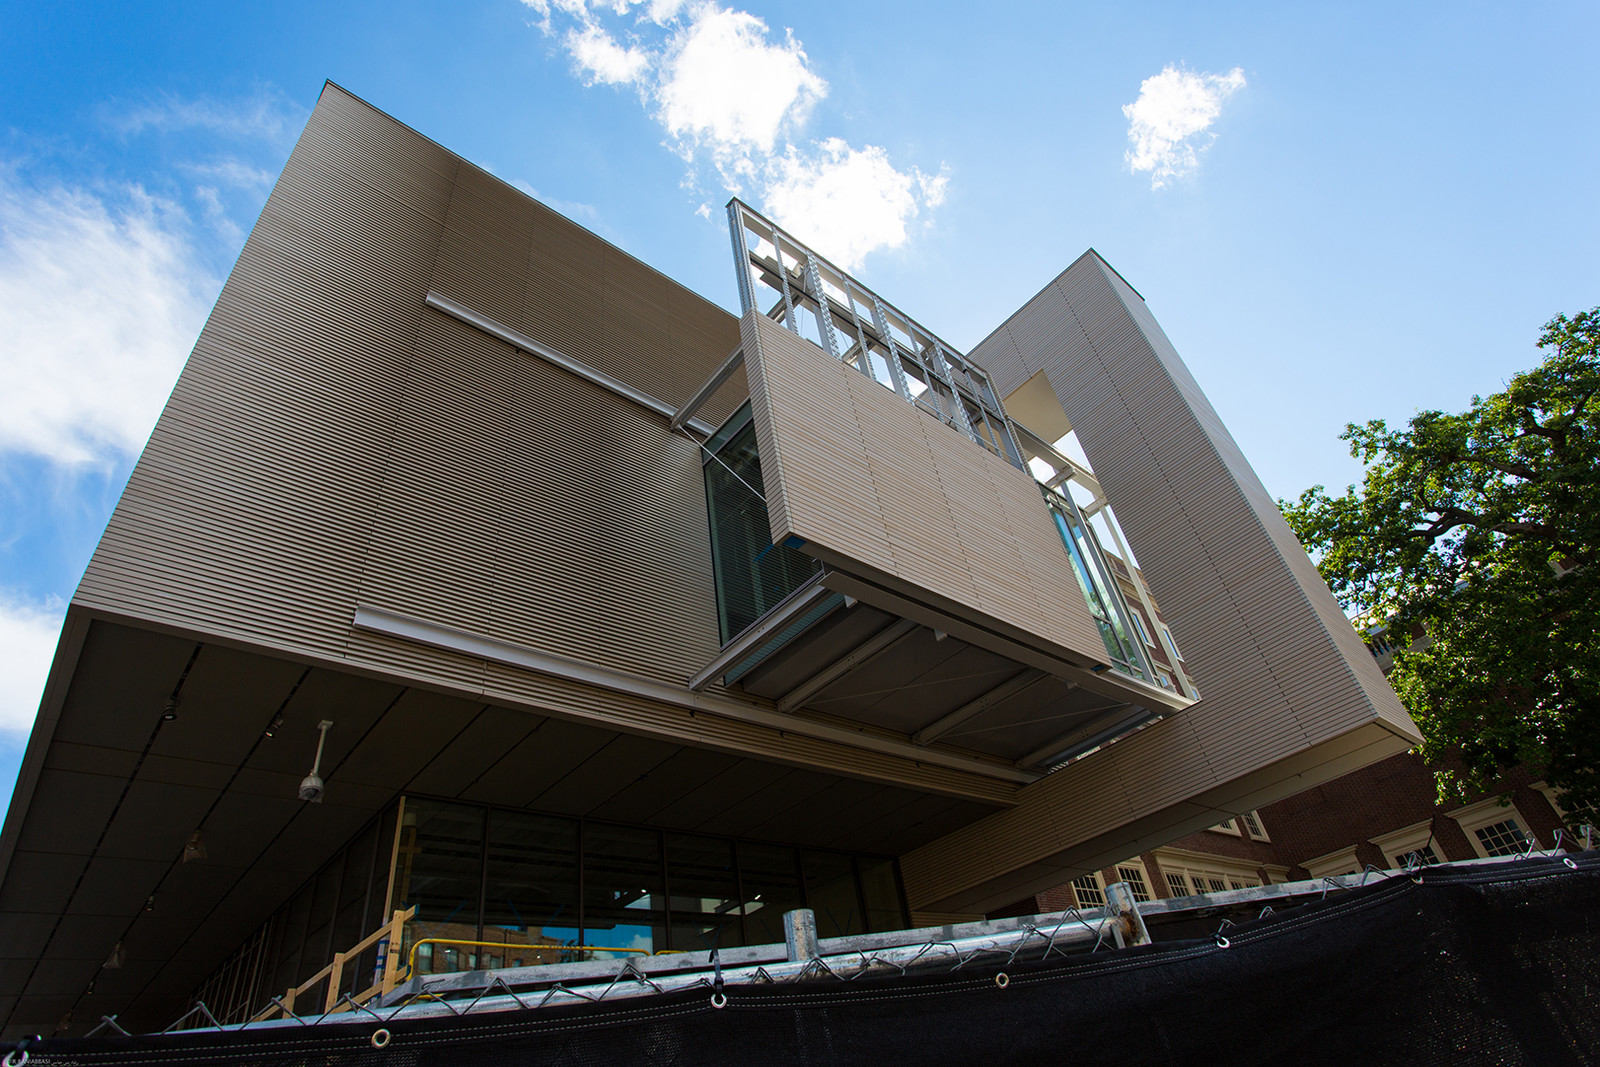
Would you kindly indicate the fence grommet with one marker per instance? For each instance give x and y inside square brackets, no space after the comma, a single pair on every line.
[11,1057]
[719,1000]
[1002,979]
[1223,942]
[380,1037]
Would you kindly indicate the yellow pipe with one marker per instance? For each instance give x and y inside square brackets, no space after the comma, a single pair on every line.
[411,959]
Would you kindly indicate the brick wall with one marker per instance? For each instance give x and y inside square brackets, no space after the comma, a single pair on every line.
[1376,800]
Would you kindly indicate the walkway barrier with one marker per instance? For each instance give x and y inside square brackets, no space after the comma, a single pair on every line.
[388,972]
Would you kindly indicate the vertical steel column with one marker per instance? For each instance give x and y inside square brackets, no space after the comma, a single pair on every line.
[880,319]
[789,318]
[830,338]
[992,401]
[741,256]
[861,332]
[1127,924]
[800,935]
[942,368]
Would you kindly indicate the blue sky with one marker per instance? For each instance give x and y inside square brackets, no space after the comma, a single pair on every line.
[1336,213]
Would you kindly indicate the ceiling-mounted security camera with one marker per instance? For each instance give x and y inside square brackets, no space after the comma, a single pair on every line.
[312,786]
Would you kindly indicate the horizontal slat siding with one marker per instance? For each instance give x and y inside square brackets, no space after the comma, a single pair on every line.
[871,481]
[1284,680]
[334,443]
[249,513]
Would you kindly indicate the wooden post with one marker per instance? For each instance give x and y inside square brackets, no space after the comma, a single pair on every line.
[391,956]
[288,1002]
[335,976]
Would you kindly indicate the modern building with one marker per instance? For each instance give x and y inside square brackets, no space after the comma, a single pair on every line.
[477,567]
[1384,816]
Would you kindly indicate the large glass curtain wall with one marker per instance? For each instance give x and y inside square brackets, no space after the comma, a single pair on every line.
[499,888]
[752,574]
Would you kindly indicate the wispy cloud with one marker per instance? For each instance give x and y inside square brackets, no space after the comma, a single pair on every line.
[231,171]
[730,92]
[28,632]
[1169,121]
[265,115]
[101,297]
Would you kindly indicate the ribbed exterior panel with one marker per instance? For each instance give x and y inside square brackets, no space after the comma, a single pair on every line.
[879,488]
[249,513]
[335,444]
[1288,690]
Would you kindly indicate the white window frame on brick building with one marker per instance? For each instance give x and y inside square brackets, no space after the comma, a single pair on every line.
[1486,815]
[1219,873]
[1137,875]
[1396,845]
[1333,864]
[1084,888]
[1251,821]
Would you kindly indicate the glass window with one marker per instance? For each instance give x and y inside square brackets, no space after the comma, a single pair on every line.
[831,893]
[1177,884]
[1504,838]
[440,870]
[531,895]
[1425,854]
[705,901]
[752,574]
[879,886]
[1098,593]
[771,887]
[624,899]
[1134,876]
[1089,891]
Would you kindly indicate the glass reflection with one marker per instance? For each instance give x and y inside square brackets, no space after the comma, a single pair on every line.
[705,893]
[771,887]
[624,898]
[531,889]
[831,894]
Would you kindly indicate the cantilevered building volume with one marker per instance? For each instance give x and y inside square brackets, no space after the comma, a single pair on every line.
[636,623]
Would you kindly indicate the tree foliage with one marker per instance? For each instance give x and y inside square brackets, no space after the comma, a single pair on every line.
[1478,535]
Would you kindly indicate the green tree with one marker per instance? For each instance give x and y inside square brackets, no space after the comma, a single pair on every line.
[1477,534]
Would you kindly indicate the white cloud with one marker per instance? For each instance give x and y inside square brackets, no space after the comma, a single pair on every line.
[100,302]
[727,90]
[848,202]
[606,61]
[28,633]
[210,201]
[232,172]
[725,85]
[1168,121]
[268,115]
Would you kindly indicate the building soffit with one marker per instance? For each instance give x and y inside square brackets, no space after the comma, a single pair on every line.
[243,734]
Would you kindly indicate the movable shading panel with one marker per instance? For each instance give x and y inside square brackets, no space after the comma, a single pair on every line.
[882,489]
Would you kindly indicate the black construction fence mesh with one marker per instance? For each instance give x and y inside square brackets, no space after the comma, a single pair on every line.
[1494,964]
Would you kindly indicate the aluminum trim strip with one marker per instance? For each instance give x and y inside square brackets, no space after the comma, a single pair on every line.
[457,310]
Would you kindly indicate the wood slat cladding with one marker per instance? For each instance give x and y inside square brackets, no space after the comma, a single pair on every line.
[882,489]
[1290,697]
